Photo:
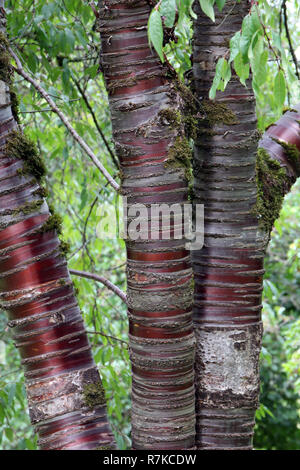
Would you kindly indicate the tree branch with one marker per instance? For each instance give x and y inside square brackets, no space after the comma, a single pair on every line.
[20,70]
[81,91]
[287,32]
[107,336]
[103,281]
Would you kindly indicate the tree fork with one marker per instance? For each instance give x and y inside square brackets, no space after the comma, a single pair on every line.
[64,390]
[154,155]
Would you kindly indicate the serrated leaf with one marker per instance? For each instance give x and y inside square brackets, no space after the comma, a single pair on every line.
[155,33]
[208,8]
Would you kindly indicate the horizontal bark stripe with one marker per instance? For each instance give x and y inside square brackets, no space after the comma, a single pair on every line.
[228,271]
[38,295]
[158,271]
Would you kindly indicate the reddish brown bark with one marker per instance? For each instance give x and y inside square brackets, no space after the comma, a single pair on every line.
[234,184]
[64,390]
[145,110]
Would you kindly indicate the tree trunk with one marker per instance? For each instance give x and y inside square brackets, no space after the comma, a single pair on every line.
[154,155]
[242,192]
[65,395]
[229,269]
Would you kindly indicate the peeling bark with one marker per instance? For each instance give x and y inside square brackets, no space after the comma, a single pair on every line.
[64,390]
[154,155]
[242,190]
[228,270]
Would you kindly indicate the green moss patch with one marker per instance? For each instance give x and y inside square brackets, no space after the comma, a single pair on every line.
[21,147]
[54,222]
[6,70]
[172,117]
[29,207]
[292,154]
[64,247]
[14,103]
[181,156]
[190,126]
[272,185]
[94,395]
[213,112]
[187,96]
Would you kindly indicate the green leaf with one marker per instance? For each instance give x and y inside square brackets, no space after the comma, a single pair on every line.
[235,45]
[279,88]
[217,78]
[250,26]
[9,434]
[259,67]
[220,4]
[241,68]
[208,8]
[168,11]
[155,33]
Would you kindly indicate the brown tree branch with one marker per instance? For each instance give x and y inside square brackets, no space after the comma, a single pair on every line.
[101,279]
[20,70]
[287,32]
[81,91]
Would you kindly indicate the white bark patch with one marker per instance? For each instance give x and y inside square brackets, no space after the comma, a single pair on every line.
[4,97]
[228,360]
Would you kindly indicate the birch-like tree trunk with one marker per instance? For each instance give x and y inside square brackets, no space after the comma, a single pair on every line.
[154,154]
[65,395]
[242,190]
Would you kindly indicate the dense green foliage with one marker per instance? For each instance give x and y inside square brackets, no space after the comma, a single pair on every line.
[278,417]
[58,44]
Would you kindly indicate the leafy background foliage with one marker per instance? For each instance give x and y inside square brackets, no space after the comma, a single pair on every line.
[58,44]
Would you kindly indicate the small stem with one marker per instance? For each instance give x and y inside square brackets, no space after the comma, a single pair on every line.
[103,281]
[81,91]
[20,70]
[107,336]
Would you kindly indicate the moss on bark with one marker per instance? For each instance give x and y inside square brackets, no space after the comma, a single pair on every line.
[14,103]
[173,118]
[214,112]
[181,156]
[6,70]
[93,395]
[292,154]
[21,147]
[272,185]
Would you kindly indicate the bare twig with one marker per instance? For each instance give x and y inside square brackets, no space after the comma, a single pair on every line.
[94,8]
[287,32]
[103,281]
[107,336]
[20,70]
[81,91]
